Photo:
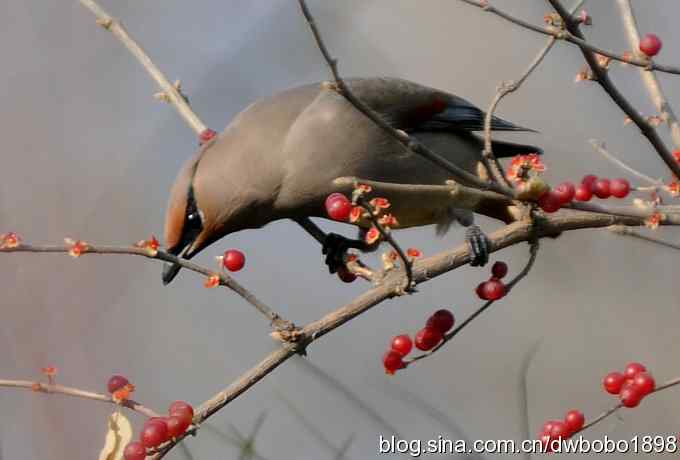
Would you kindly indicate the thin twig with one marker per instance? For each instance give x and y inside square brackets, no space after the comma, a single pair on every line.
[49,388]
[387,236]
[601,148]
[401,136]
[570,37]
[649,79]
[224,279]
[621,230]
[533,251]
[491,162]
[171,92]
[602,77]
[614,409]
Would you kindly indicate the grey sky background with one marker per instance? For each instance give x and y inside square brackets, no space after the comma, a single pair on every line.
[88,153]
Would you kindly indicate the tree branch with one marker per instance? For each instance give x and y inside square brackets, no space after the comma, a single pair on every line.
[649,79]
[602,77]
[171,92]
[75,392]
[224,279]
[614,409]
[571,37]
[601,148]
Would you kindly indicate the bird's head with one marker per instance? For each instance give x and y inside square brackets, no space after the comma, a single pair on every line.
[217,192]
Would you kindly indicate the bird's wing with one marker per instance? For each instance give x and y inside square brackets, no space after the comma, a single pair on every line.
[413,107]
[458,114]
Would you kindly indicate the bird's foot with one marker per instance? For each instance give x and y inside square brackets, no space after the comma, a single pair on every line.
[335,247]
[478,244]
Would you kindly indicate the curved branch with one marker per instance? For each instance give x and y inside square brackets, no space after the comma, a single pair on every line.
[75,392]
[572,37]
[602,77]
[224,279]
[171,92]
[652,84]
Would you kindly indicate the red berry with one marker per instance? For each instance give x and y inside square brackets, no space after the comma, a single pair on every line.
[630,395]
[345,275]
[154,433]
[177,425]
[393,362]
[116,382]
[644,382]
[493,289]
[338,207]
[233,260]
[559,430]
[650,45]
[620,188]
[633,369]
[550,202]
[602,188]
[583,192]
[547,426]
[206,135]
[589,180]
[499,269]
[613,382]
[427,338]
[402,344]
[442,320]
[480,291]
[182,409]
[134,451]
[574,421]
[565,191]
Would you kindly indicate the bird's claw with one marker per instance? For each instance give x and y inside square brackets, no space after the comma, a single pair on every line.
[335,247]
[478,244]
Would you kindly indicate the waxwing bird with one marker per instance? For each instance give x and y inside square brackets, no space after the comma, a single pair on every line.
[279,158]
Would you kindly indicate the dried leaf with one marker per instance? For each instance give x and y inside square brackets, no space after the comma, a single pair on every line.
[118,435]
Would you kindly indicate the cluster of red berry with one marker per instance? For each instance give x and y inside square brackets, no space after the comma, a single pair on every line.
[156,430]
[557,430]
[494,288]
[566,192]
[632,385]
[426,339]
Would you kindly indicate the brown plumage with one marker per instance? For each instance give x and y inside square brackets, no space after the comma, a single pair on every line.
[278,158]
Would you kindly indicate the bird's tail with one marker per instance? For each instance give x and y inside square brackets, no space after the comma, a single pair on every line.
[504,149]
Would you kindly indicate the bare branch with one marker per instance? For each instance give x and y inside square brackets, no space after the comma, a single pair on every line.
[490,160]
[601,148]
[621,230]
[652,84]
[224,279]
[49,388]
[602,77]
[171,91]
[571,37]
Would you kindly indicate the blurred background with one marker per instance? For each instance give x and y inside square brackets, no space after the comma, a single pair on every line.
[87,153]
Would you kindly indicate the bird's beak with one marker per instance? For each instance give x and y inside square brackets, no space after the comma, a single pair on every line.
[171,270]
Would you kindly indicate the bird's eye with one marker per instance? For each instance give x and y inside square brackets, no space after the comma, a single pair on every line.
[192,216]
